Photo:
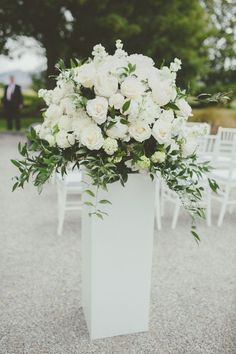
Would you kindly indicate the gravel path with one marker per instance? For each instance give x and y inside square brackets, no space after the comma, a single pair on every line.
[193,293]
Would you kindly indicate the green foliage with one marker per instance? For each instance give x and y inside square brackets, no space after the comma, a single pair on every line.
[181,175]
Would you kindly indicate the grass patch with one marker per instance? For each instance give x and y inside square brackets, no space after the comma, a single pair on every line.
[216,117]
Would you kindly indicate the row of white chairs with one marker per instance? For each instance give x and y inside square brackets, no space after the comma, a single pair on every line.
[219,149]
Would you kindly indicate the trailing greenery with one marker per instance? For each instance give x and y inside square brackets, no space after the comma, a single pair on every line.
[40,161]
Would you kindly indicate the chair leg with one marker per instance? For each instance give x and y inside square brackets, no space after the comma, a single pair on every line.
[231,209]
[223,208]
[162,201]
[61,210]
[176,214]
[208,207]
[158,207]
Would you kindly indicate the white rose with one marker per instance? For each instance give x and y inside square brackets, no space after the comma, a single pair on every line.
[37,128]
[57,95]
[50,139]
[65,123]
[53,112]
[162,131]
[150,111]
[132,88]
[133,110]
[80,121]
[189,146]
[162,91]
[110,146]
[64,140]
[105,85]
[140,131]
[185,109]
[173,146]
[67,106]
[143,65]
[116,101]
[166,74]
[92,138]
[141,60]
[118,130]
[85,75]
[178,126]
[167,115]
[97,109]
[43,131]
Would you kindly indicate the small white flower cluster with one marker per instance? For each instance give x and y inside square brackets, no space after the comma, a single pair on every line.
[130,101]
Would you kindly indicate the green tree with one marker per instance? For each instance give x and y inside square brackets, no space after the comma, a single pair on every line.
[222,41]
[159,28]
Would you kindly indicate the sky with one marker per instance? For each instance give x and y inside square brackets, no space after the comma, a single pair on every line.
[26,55]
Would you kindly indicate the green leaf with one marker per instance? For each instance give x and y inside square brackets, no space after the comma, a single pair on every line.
[126,106]
[16,163]
[89,192]
[88,203]
[197,238]
[104,201]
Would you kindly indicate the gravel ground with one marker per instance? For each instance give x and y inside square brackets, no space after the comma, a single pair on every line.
[193,307]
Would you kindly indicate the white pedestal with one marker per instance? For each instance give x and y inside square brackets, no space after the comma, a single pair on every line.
[117,259]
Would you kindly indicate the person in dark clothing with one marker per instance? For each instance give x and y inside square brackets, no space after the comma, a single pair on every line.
[12,101]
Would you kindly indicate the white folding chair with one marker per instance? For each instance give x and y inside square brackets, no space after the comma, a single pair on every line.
[223,147]
[67,186]
[168,195]
[226,178]
[200,124]
[206,147]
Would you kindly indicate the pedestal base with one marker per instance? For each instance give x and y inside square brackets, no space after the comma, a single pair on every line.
[117,259]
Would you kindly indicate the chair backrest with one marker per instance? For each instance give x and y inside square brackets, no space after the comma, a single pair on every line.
[232,162]
[202,125]
[206,146]
[225,139]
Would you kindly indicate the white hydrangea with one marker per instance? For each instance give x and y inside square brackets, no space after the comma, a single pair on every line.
[158,157]
[110,146]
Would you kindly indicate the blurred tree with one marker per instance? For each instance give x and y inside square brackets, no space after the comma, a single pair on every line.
[159,28]
[44,20]
[222,41]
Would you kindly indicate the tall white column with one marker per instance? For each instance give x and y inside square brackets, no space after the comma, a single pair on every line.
[117,259]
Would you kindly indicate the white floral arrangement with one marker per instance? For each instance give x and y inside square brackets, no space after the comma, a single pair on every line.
[115,115]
